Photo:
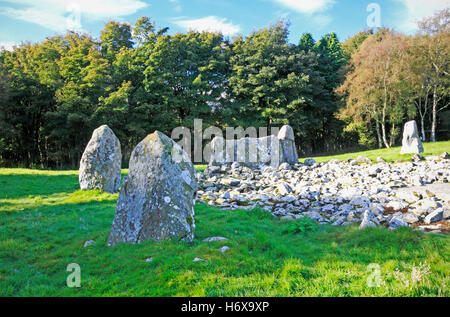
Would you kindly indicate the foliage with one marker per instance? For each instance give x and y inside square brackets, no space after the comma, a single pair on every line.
[138,79]
[301,226]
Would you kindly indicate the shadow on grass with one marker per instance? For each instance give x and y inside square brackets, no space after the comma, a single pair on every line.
[18,185]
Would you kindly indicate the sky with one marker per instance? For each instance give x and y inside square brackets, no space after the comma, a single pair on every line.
[34,20]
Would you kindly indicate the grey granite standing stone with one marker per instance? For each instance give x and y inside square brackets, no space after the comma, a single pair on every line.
[156,201]
[287,140]
[411,143]
[101,162]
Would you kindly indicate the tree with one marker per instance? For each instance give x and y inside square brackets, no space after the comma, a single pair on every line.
[114,37]
[373,87]
[435,31]
[275,83]
[352,44]
[185,76]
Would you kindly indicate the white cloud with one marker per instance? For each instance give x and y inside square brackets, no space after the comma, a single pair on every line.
[210,24]
[321,20]
[8,46]
[177,5]
[59,15]
[307,6]
[416,10]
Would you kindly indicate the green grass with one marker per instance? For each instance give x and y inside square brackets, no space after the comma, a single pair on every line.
[390,155]
[45,220]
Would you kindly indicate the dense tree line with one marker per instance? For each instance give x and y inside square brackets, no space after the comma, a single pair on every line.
[392,78]
[138,79]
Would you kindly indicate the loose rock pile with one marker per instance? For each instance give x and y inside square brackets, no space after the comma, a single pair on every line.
[338,193]
[253,152]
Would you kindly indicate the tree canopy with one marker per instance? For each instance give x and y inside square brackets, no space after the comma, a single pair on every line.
[138,78]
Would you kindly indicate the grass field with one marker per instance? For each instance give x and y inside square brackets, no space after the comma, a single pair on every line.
[45,220]
[390,155]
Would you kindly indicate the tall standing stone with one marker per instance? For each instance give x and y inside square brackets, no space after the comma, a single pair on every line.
[287,140]
[101,162]
[411,143]
[156,201]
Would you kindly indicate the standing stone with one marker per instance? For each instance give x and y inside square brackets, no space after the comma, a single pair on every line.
[156,201]
[101,162]
[287,140]
[411,141]
[250,152]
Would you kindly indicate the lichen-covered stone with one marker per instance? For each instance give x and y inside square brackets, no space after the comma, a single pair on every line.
[256,152]
[411,143]
[156,201]
[101,162]
[251,152]
[287,140]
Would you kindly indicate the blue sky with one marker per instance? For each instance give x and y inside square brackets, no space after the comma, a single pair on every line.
[34,20]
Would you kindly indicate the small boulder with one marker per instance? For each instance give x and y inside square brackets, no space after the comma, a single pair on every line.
[196,260]
[418,158]
[285,167]
[214,239]
[435,216]
[367,221]
[396,223]
[284,189]
[363,159]
[310,162]
[88,243]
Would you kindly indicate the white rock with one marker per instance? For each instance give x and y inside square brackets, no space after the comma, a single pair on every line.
[198,260]
[214,239]
[435,216]
[88,243]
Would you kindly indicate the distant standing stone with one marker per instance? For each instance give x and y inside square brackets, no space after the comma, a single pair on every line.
[411,141]
[101,162]
[287,140]
[156,201]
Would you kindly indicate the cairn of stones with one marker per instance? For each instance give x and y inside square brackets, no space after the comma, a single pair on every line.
[339,193]
[101,162]
[256,152]
[156,201]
